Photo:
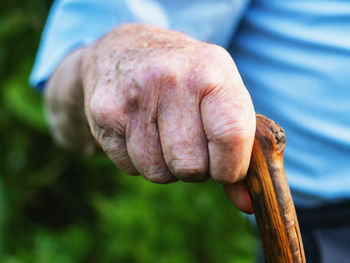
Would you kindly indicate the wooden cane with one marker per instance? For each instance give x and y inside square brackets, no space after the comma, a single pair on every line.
[271,199]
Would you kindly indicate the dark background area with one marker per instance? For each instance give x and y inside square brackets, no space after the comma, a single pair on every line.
[56,207]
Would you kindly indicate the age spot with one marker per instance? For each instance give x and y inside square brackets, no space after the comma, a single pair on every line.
[132,96]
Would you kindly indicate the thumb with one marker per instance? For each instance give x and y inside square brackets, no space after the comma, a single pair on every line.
[238,195]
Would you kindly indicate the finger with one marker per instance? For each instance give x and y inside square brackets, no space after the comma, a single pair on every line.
[229,123]
[182,137]
[145,151]
[114,145]
[107,126]
[238,194]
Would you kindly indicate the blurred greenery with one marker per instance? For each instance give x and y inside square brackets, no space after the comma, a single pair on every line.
[59,208]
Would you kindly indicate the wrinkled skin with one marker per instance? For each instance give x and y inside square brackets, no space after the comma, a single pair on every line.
[158,103]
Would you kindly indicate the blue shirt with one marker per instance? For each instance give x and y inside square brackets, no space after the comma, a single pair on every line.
[293,55]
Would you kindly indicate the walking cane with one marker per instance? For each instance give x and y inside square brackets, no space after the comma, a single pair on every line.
[271,199]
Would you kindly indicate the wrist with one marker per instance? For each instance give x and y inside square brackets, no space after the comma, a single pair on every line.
[65,85]
[64,104]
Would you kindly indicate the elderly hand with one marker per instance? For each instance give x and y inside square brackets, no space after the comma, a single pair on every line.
[160,104]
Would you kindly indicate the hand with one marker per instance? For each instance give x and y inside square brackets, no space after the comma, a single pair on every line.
[164,105]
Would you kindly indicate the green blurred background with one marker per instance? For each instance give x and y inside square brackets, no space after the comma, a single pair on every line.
[59,208]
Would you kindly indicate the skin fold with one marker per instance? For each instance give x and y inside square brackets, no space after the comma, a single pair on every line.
[159,104]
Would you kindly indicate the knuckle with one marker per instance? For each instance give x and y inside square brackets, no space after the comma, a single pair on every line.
[162,74]
[189,170]
[156,173]
[232,178]
[100,108]
[218,56]
[105,114]
[231,132]
[218,52]
[220,71]
[159,177]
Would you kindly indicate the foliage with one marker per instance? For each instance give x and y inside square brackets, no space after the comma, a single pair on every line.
[59,208]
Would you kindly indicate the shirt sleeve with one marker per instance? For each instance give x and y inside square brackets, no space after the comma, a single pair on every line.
[74,23]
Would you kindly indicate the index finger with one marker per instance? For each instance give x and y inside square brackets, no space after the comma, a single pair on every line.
[228,119]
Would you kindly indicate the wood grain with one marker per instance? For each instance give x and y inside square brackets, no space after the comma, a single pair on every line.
[271,199]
